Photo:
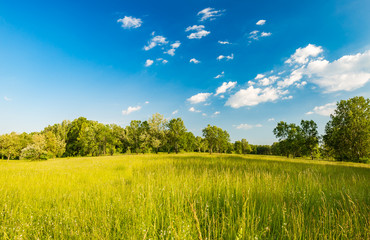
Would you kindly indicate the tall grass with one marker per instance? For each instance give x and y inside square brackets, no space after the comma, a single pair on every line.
[186,196]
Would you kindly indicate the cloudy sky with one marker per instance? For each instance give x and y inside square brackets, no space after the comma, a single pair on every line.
[240,65]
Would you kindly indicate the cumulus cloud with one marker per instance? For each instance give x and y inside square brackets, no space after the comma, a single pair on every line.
[302,55]
[174,46]
[192,109]
[131,110]
[348,73]
[224,87]
[220,75]
[230,57]
[246,126]
[259,76]
[175,112]
[149,63]
[324,110]
[195,61]
[268,80]
[224,42]
[130,22]
[209,14]
[155,41]
[288,97]
[217,113]
[198,98]
[254,96]
[261,22]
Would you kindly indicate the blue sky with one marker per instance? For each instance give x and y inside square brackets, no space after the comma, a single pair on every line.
[240,65]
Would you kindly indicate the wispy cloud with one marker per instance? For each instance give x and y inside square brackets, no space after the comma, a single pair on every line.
[324,110]
[175,112]
[155,41]
[220,75]
[246,126]
[224,87]
[209,14]
[130,22]
[198,32]
[224,42]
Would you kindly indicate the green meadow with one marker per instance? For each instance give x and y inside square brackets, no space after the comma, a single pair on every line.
[184,196]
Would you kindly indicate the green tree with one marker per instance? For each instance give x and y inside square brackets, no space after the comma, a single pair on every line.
[176,133]
[310,137]
[347,134]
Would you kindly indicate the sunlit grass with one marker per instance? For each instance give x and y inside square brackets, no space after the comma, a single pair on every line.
[185,196]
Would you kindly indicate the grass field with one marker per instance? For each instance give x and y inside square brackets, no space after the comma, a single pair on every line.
[185,196]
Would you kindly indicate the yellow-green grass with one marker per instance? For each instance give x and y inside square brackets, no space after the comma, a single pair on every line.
[184,196]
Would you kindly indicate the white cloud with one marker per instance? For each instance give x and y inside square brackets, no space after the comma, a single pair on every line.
[196,28]
[209,13]
[255,35]
[199,32]
[220,75]
[261,22]
[265,34]
[251,83]
[345,74]
[302,55]
[199,35]
[268,80]
[192,109]
[155,41]
[130,22]
[254,96]
[204,115]
[294,76]
[224,42]
[246,126]
[224,87]
[164,61]
[147,102]
[301,84]
[198,98]
[175,112]
[195,61]
[217,113]
[174,46]
[131,110]
[259,76]
[324,110]
[230,57]
[271,119]
[148,62]
[7,99]
[288,97]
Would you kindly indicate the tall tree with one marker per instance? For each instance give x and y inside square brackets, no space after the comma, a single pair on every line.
[347,134]
[176,133]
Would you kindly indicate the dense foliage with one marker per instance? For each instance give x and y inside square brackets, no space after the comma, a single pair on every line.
[347,138]
[347,134]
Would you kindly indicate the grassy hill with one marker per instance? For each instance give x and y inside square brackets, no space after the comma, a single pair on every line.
[185,196]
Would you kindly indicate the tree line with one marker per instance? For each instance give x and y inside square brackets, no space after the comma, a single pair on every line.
[346,138]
